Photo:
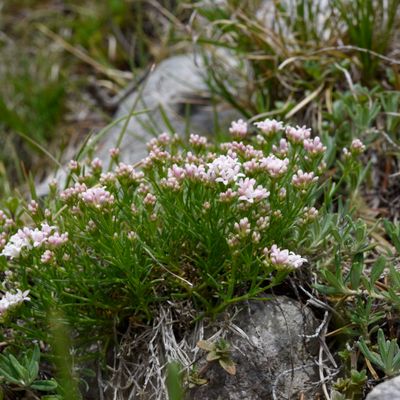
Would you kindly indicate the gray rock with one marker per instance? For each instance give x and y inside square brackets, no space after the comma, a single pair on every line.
[277,362]
[177,90]
[389,390]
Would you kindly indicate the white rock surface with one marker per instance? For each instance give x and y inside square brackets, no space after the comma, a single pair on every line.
[389,390]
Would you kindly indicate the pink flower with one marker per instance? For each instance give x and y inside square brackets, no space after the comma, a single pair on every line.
[107,178]
[274,165]
[158,154]
[47,257]
[282,149]
[243,226]
[298,134]
[285,258]
[224,169]
[150,199]
[33,207]
[357,146]
[27,238]
[97,196]
[238,129]
[114,153]
[196,140]
[251,166]
[128,171]
[195,172]
[170,183]
[164,138]
[314,146]
[96,164]
[176,172]
[269,126]
[57,239]
[227,196]
[248,193]
[73,191]
[73,165]
[301,179]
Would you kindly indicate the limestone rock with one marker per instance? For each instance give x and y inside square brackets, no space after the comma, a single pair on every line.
[177,97]
[276,360]
[389,390]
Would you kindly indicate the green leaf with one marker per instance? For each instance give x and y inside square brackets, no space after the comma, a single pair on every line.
[393,233]
[174,385]
[228,365]
[45,386]
[33,364]
[9,377]
[355,274]
[377,269]
[371,356]
[382,344]
[6,365]
[326,289]
[23,374]
[212,356]
[205,345]
[333,280]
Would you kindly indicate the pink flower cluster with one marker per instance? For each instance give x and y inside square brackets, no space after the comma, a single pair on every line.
[196,140]
[97,197]
[238,129]
[243,227]
[96,164]
[225,169]
[357,146]
[298,134]
[32,238]
[282,149]
[269,126]
[73,191]
[274,165]
[245,150]
[285,258]
[314,146]
[302,179]
[247,191]
[128,171]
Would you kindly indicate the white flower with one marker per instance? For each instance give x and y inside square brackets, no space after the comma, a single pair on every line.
[29,238]
[9,299]
[16,243]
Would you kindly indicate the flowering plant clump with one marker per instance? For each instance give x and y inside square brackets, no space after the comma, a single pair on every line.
[209,224]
